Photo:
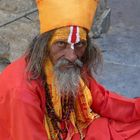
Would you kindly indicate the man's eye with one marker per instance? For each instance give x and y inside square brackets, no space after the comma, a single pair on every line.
[61,43]
[81,44]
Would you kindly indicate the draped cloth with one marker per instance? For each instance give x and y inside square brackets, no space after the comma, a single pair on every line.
[22,109]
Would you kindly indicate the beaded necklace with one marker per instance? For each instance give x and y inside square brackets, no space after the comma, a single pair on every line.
[67,107]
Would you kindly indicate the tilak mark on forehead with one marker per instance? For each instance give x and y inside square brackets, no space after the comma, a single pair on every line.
[74,36]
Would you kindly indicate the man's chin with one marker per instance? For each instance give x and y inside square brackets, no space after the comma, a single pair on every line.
[67,80]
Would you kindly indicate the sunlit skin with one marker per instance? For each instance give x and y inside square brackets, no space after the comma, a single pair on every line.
[61,49]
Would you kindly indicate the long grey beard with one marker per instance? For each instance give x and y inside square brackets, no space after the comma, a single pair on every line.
[67,80]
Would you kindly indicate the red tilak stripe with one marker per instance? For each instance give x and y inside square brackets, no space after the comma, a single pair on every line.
[73,37]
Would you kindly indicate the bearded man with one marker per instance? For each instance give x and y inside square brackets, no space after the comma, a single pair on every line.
[50,93]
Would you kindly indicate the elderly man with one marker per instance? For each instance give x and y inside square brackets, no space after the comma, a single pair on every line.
[50,93]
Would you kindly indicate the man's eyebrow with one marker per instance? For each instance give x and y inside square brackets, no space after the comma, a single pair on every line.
[65,40]
[83,40]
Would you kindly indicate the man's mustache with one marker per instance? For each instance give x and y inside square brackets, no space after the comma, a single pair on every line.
[66,63]
[78,63]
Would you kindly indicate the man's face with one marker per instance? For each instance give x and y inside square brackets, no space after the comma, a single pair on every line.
[61,48]
[65,54]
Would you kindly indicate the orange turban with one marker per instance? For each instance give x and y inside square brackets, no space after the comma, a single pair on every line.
[54,14]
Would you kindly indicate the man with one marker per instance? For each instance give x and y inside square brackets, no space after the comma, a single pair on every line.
[50,92]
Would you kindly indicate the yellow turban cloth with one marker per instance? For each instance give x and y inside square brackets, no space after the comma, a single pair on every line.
[54,14]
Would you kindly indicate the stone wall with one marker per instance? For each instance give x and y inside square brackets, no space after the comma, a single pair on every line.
[16,36]
[102,19]
[19,25]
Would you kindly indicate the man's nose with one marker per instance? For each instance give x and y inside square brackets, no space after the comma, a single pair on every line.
[70,55]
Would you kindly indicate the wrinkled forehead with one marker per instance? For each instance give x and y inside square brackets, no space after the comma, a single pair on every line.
[71,33]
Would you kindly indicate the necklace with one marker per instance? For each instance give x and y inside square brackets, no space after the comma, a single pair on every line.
[67,103]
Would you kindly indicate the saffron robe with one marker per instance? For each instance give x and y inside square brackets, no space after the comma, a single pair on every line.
[22,109]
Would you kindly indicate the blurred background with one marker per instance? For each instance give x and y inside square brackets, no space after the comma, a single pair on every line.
[116,30]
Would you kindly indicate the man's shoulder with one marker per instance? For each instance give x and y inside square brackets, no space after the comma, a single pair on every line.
[14,81]
[18,65]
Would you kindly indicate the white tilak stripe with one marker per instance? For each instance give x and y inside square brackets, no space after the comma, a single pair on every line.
[72,46]
[70,38]
[78,35]
[70,34]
